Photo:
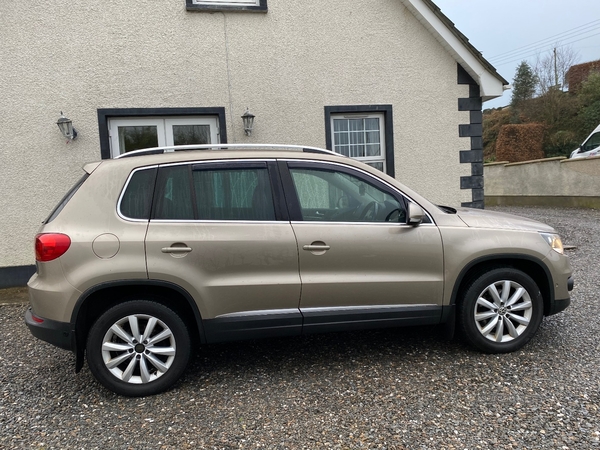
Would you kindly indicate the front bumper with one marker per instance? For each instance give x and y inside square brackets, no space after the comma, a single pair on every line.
[559,305]
[56,333]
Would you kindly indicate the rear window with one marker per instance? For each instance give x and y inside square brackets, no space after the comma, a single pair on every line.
[58,208]
[137,198]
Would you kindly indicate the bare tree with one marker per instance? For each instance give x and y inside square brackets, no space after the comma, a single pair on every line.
[551,68]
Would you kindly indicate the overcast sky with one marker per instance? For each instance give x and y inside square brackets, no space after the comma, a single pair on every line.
[509,31]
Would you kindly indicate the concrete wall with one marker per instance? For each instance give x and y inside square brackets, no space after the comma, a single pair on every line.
[552,182]
[285,65]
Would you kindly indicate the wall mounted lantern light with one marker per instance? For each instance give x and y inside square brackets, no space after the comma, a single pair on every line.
[66,127]
[248,119]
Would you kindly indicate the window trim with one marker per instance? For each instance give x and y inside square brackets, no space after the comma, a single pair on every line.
[259,6]
[104,114]
[386,110]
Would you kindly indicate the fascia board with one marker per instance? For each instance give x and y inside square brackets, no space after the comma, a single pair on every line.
[489,84]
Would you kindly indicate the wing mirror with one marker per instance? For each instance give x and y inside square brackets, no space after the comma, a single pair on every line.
[415,215]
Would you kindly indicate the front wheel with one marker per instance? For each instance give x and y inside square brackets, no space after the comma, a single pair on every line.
[138,348]
[501,310]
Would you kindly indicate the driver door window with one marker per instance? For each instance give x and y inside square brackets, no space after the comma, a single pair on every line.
[338,196]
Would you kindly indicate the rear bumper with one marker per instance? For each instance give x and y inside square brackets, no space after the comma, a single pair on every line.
[51,331]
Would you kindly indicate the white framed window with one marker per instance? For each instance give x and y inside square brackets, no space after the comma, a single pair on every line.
[227,2]
[127,134]
[361,137]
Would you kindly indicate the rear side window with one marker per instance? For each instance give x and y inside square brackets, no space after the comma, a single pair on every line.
[137,198]
[68,196]
[214,193]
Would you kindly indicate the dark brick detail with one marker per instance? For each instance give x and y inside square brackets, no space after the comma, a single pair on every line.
[478,205]
[463,76]
[474,91]
[476,116]
[477,169]
[478,195]
[472,182]
[476,143]
[471,156]
[467,130]
[469,104]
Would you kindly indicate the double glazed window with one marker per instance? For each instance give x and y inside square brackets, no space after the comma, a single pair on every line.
[134,133]
[360,137]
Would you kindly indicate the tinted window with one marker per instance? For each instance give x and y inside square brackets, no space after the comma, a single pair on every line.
[137,197]
[206,193]
[234,194]
[592,142]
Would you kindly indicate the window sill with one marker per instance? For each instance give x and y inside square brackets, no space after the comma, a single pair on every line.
[260,8]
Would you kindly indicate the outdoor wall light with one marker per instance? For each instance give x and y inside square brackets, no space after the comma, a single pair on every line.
[248,119]
[66,127]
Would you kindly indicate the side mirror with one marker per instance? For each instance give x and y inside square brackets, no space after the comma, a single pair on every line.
[415,215]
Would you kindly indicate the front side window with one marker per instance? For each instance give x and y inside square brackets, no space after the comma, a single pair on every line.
[212,193]
[338,196]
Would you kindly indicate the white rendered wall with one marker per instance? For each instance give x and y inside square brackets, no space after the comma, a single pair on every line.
[285,66]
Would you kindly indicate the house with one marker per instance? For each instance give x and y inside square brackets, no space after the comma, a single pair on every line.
[138,74]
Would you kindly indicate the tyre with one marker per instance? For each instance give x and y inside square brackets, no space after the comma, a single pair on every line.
[138,348]
[501,310]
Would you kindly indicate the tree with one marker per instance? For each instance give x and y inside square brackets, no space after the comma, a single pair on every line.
[524,84]
[551,69]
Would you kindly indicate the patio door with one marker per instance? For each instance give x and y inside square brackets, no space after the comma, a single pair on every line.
[133,133]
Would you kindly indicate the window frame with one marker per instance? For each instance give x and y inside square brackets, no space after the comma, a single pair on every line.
[106,114]
[293,199]
[388,131]
[227,5]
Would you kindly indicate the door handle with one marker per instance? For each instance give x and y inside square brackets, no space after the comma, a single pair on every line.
[176,249]
[316,247]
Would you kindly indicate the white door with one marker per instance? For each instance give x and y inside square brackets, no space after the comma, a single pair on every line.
[134,133]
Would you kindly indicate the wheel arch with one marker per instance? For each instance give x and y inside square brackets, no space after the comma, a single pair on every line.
[87,309]
[530,265]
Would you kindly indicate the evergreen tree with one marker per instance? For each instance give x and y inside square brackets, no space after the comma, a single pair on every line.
[524,84]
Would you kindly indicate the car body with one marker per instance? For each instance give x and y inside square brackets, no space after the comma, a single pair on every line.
[221,244]
[590,147]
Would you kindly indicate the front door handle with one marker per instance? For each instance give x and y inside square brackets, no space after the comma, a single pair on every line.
[316,248]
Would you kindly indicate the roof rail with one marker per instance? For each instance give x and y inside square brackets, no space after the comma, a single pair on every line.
[180,148]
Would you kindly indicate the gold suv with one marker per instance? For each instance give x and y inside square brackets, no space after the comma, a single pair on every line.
[159,250]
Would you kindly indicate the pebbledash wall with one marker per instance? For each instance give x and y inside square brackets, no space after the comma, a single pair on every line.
[287,65]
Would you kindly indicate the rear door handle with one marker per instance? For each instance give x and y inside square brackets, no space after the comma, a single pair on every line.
[176,249]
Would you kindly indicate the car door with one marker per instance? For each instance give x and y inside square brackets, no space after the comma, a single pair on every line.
[360,265]
[218,230]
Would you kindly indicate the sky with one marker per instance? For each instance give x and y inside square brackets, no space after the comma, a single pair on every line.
[510,31]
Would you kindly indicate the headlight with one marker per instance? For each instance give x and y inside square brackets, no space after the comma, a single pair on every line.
[553,241]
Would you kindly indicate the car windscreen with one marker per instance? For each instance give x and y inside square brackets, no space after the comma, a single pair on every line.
[58,208]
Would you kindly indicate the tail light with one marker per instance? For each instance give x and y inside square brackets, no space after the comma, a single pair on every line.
[49,246]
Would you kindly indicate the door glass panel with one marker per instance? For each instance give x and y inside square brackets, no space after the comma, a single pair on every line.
[173,195]
[236,194]
[137,137]
[327,195]
[191,134]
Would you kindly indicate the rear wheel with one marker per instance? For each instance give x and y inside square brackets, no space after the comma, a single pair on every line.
[501,310]
[138,348]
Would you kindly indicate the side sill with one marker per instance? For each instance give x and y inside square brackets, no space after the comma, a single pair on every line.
[324,320]
[252,326]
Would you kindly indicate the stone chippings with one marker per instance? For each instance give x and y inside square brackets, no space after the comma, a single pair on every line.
[392,389]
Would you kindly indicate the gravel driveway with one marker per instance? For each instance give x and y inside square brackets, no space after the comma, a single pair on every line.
[394,389]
